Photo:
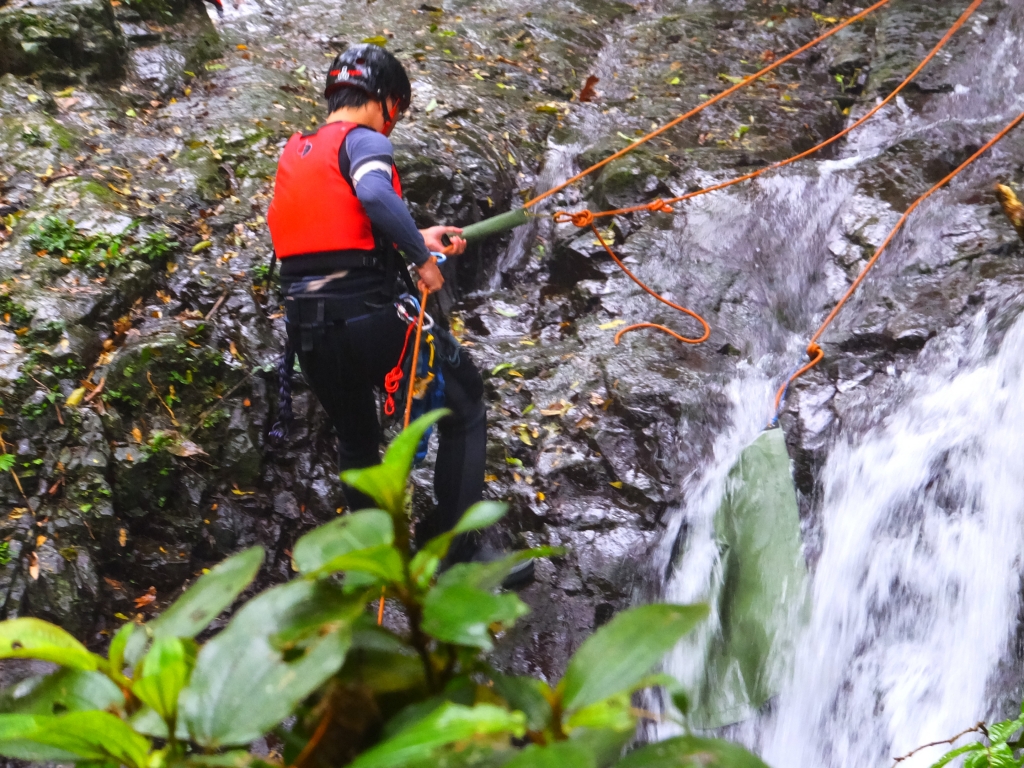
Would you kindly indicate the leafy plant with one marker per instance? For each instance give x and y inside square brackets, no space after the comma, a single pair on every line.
[1002,750]
[99,252]
[359,694]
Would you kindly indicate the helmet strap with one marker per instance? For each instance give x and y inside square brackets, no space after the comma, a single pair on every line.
[389,119]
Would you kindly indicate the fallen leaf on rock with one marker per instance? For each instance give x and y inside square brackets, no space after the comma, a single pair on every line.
[499,368]
[185,448]
[512,461]
[137,434]
[113,583]
[524,435]
[201,246]
[40,540]
[588,93]
[33,565]
[612,324]
[147,599]
[489,478]
[75,398]
[616,484]
[122,536]
[560,408]
[506,312]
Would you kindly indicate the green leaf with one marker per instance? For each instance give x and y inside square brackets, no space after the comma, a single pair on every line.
[72,737]
[623,651]
[212,593]
[383,562]
[66,690]
[461,614]
[349,533]
[953,754]
[525,694]
[562,754]
[385,483]
[279,648]
[690,752]
[376,40]
[164,674]
[115,655]
[445,725]
[6,462]
[425,563]
[490,575]
[30,638]
[1001,732]
[480,515]
[499,368]
[614,713]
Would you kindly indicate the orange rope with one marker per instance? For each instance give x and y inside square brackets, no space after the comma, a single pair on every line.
[666,205]
[408,404]
[652,292]
[713,100]
[813,349]
[586,217]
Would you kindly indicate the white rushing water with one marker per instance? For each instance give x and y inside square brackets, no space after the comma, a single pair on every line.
[919,527]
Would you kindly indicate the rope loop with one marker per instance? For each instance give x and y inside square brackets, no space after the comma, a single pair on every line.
[657,205]
[581,219]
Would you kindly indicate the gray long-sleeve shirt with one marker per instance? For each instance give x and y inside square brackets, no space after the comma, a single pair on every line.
[371,158]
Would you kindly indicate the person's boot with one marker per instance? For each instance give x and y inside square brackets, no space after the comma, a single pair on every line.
[469,548]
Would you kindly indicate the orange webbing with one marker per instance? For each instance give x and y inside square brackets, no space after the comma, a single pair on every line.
[813,350]
[666,205]
[659,297]
[408,402]
[713,100]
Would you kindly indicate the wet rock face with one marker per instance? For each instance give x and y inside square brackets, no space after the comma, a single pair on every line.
[153,301]
[61,41]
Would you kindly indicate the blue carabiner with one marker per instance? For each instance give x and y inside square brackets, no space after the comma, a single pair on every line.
[441,258]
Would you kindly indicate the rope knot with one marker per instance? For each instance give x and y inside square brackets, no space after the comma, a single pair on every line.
[581,219]
[659,206]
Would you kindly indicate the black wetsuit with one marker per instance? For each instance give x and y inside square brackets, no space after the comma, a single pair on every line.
[345,330]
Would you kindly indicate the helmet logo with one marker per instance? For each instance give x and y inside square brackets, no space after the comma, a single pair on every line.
[306,149]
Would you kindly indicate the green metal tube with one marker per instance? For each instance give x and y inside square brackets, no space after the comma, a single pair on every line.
[496,224]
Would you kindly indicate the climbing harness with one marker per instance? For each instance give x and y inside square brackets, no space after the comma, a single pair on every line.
[814,351]
[586,218]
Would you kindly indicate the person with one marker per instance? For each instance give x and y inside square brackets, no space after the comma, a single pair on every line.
[345,240]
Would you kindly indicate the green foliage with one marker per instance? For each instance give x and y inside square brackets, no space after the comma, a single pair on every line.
[97,253]
[5,546]
[1001,751]
[358,694]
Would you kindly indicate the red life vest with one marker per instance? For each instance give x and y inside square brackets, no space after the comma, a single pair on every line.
[315,209]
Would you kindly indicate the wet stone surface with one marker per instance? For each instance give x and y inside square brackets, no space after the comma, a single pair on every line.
[164,163]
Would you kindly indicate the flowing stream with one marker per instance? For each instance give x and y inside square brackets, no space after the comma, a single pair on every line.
[915,540]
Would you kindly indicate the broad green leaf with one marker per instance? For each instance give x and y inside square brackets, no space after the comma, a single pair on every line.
[279,648]
[447,724]
[623,651]
[66,690]
[30,638]
[425,563]
[613,713]
[525,694]
[73,737]
[461,614]
[164,674]
[690,752]
[349,533]
[481,515]
[562,754]
[383,562]
[147,722]
[490,575]
[115,655]
[212,593]
[385,483]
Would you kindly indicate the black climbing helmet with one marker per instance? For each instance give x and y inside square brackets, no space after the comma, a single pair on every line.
[374,71]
